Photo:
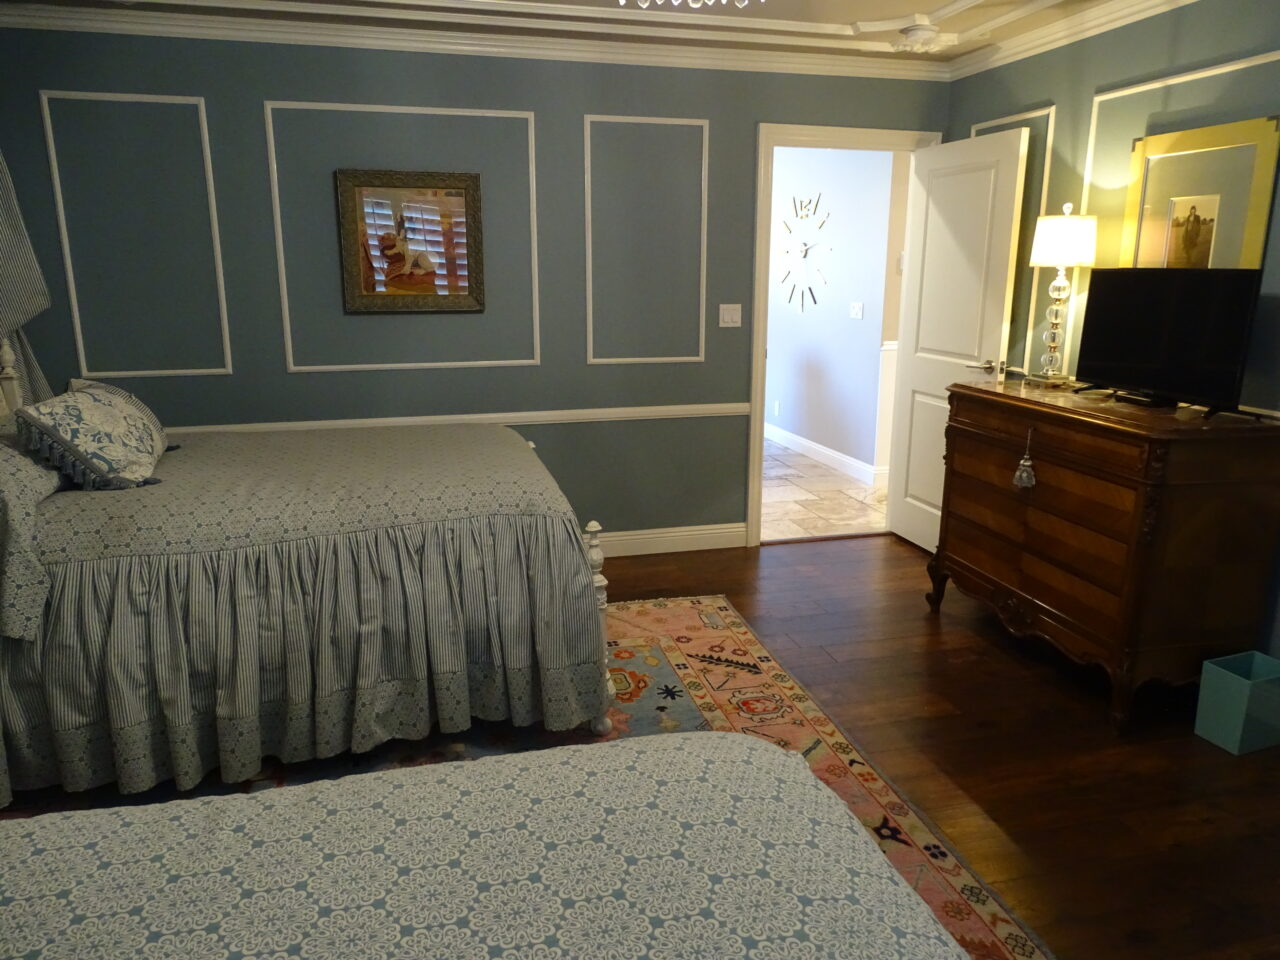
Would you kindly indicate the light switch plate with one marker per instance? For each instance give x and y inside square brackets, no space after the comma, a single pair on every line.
[855,310]
[730,314]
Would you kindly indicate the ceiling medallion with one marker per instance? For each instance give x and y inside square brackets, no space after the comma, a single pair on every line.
[922,38]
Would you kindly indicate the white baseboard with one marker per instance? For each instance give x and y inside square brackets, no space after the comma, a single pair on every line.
[631,543]
[860,470]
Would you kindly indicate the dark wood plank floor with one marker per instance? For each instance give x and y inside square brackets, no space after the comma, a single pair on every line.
[1155,845]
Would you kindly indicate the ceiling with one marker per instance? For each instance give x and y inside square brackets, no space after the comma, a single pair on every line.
[975,23]
[934,39]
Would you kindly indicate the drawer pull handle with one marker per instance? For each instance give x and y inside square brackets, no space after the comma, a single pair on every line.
[1024,478]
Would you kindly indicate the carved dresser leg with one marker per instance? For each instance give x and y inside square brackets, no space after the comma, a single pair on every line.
[939,578]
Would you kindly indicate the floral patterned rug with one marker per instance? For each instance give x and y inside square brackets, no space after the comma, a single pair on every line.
[727,680]
[681,665]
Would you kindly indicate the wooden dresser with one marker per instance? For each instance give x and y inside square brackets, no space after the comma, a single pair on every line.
[1147,543]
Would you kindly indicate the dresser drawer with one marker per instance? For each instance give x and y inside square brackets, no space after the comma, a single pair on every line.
[1138,546]
[1080,551]
[1111,449]
[1092,502]
[1060,590]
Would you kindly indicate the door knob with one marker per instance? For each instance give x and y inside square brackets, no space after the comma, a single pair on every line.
[986,366]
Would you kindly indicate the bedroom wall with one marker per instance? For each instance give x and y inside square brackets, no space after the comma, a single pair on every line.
[1232,42]
[155,283]
[1222,54]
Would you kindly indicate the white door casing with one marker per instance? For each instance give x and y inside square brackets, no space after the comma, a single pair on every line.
[791,135]
[962,238]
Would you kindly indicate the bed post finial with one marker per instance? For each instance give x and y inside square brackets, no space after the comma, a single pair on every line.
[9,393]
[595,557]
[601,725]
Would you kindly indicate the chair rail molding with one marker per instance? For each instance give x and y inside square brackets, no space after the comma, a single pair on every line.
[686,411]
[64,235]
[291,365]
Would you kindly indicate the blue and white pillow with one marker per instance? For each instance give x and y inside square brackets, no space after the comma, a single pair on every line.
[98,435]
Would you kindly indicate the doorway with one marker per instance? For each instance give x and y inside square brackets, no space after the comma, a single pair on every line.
[831,217]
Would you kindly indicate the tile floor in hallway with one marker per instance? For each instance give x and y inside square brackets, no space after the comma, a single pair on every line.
[805,498]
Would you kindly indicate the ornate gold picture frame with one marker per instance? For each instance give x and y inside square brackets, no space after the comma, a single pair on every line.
[410,242]
[1201,198]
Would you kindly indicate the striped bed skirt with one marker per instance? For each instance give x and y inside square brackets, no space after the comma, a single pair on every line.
[163,667]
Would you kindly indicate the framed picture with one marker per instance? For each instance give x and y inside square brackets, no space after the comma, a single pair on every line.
[1189,242]
[411,242]
[1201,198]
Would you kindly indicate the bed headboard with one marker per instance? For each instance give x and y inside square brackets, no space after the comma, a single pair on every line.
[10,396]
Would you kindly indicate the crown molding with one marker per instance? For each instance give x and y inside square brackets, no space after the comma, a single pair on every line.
[155,23]
[262,21]
[1079,26]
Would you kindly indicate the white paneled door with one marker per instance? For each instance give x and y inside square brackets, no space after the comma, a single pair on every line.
[957,291]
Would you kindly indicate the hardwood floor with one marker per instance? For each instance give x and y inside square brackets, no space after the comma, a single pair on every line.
[1154,845]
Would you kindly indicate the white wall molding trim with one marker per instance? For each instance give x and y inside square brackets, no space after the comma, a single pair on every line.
[1172,80]
[1079,26]
[1231,66]
[686,411]
[631,543]
[667,46]
[290,363]
[859,470]
[1050,112]
[772,135]
[884,410]
[262,29]
[705,125]
[64,236]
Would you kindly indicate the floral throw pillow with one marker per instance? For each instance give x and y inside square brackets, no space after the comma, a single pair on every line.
[101,437]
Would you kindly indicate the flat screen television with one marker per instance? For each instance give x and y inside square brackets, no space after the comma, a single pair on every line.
[1169,334]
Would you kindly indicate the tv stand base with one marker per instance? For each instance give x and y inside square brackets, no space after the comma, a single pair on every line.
[1137,399]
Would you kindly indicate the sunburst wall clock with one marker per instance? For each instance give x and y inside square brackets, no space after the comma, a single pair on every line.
[806,252]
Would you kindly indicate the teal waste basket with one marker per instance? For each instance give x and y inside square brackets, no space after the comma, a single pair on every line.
[1239,707]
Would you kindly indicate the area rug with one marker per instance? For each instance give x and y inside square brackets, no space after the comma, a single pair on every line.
[732,682]
[680,665]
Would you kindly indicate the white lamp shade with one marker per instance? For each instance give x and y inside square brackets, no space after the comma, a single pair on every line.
[1065,241]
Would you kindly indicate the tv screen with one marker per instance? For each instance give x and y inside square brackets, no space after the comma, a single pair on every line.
[1172,334]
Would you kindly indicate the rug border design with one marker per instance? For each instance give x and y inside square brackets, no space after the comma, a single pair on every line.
[812,710]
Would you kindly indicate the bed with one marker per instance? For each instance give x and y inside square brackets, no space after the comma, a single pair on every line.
[293,593]
[696,845]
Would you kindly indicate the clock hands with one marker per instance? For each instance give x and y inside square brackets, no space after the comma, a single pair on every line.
[799,277]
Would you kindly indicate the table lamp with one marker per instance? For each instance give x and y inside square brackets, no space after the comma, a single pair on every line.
[1061,241]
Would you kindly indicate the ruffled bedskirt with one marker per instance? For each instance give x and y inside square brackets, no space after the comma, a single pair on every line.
[165,667]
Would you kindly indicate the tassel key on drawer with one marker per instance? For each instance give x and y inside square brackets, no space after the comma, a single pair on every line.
[1024,478]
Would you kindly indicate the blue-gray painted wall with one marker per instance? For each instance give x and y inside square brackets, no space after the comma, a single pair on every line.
[629,475]
[1200,35]
[694,471]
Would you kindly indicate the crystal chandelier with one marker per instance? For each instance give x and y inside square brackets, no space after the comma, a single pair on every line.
[693,4]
